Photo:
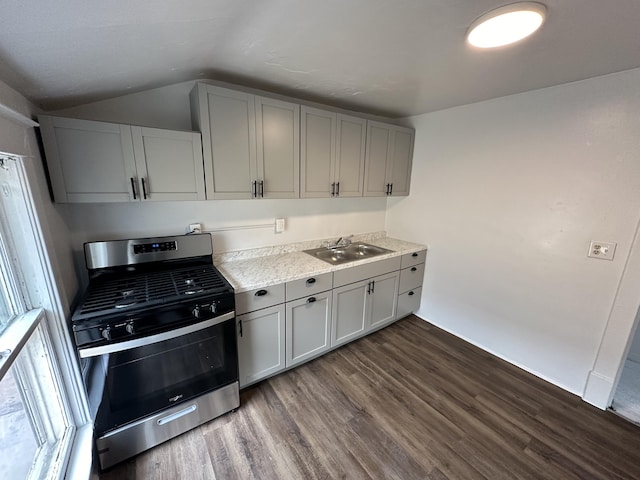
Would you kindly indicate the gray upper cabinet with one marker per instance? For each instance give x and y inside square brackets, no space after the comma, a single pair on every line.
[332,154]
[226,119]
[251,144]
[94,162]
[278,148]
[350,155]
[89,161]
[107,162]
[388,160]
[317,152]
[168,164]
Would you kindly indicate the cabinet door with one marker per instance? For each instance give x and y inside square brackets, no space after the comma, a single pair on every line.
[278,148]
[261,344]
[408,302]
[384,297]
[399,173]
[169,164]
[89,161]
[350,152]
[317,153]
[226,119]
[377,156]
[349,312]
[308,327]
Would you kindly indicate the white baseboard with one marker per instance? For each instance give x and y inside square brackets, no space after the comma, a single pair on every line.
[598,390]
[523,367]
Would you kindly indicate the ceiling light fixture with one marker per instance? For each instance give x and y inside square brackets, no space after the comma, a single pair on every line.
[506,24]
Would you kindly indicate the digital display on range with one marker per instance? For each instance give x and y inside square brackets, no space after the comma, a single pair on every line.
[155,247]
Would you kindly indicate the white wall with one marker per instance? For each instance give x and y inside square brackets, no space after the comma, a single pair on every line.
[16,137]
[634,349]
[507,194]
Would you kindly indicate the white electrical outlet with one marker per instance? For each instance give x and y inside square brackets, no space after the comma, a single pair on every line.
[195,228]
[279,225]
[603,250]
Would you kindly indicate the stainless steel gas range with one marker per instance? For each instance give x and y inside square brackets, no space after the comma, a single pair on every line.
[155,334]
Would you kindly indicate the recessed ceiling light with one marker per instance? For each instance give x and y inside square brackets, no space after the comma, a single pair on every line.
[506,24]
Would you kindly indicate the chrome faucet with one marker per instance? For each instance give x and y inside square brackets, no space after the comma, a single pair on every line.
[341,242]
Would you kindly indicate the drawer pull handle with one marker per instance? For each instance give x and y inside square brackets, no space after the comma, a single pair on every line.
[410,293]
[311,299]
[413,269]
[311,281]
[414,254]
[260,293]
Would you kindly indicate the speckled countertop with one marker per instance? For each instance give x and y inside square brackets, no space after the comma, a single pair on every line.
[259,268]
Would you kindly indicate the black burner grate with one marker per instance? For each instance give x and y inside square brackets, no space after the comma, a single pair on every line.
[145,289]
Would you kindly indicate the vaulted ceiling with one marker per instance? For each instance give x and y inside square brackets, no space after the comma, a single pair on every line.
[393,57]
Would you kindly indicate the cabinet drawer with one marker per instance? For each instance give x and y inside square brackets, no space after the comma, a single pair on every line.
[411,277]
[408,302]
[362,272]
[308,286]
[411,259]
[259,298]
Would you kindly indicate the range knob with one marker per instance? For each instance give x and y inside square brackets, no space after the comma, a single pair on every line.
[196,311]
[130,328]
[106,333]
[214,307]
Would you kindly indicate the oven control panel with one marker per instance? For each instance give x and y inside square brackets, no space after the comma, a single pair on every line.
[155,247]
[141,323]
[206,309]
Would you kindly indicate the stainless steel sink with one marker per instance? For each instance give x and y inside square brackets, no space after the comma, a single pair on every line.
[349,253]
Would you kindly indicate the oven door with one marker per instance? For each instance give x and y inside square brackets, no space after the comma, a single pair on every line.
[131,380]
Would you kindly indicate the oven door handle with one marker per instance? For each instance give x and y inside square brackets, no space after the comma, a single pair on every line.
[151,339]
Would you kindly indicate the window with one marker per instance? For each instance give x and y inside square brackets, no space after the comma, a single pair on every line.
[37,421]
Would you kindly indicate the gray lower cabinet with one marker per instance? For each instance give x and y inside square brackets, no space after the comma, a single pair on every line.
[308,327]
[349,312]
[322,312]
[383,299]
[261,343]
[361,307]
[411,278]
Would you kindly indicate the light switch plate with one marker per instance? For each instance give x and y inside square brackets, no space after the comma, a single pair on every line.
[602,250]
[279,225]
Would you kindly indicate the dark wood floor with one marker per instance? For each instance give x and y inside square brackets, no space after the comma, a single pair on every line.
[408,402]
